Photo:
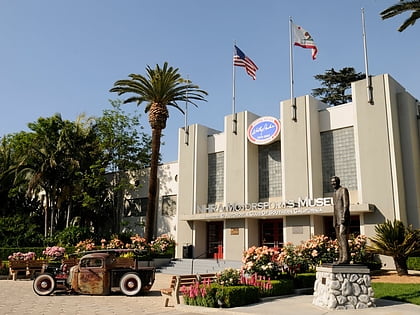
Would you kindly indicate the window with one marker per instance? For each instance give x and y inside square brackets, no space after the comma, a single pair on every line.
[339,158]
[91,263]
[330,231]
[136,207]
[216,177]
[169,205]
[269,171]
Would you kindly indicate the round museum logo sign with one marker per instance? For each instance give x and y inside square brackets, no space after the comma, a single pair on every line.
[264,130]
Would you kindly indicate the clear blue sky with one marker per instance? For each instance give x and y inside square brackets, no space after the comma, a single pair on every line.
[64,56]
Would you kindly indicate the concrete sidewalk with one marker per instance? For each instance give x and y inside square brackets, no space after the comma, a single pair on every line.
[17,297]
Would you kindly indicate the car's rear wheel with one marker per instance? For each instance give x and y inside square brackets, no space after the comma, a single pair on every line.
[130,284]
[44,284]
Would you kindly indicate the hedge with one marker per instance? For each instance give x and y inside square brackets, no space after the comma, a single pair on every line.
[5,252]
[221,296]
[413,263]
[279,287]
[304,280]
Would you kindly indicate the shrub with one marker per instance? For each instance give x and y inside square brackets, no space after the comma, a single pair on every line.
[262,261]
[163,246]
[200,295]
[72,235]
[85,245]
[236,295]
[55,252]
[304,280]
[22,256]
[229,277]
[292,260]
[321,249]
[317,250]
[394,239]
[278,287]
[4,269]
[413,263]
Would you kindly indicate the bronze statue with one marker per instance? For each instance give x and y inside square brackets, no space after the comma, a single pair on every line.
[341,219]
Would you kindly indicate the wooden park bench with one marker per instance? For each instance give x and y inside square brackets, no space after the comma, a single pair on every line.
[177,282]
[35,267]
[16,267]
[27,267]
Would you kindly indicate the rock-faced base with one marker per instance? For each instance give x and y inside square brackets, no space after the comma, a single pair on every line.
[342,287]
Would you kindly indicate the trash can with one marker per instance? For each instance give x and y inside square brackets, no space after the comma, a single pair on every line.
[187,251]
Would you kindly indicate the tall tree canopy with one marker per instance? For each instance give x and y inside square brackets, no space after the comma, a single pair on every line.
[160,88]
[57,171]
[336,85]
[403,7]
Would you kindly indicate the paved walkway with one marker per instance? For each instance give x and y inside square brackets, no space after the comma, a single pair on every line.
[17,297]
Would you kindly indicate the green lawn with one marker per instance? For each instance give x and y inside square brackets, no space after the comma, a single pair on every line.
[409,292]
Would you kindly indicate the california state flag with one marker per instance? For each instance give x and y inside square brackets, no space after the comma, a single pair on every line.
[303,39]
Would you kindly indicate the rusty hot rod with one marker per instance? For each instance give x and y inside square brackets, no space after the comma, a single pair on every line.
[97,273]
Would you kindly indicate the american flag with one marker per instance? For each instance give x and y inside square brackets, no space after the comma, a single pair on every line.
[241,60]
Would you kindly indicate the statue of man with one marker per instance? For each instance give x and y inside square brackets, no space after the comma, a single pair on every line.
[341,219]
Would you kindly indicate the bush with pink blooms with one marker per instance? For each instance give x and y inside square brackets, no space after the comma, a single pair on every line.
[22,256]
[262,261]
[54,252]
[292,259]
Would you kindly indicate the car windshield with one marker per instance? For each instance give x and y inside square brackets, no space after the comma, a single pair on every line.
[91,262]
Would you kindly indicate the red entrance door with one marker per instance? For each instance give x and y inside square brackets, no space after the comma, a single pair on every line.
[215,239]
[272,233]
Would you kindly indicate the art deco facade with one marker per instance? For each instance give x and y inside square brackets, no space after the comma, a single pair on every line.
[228,193]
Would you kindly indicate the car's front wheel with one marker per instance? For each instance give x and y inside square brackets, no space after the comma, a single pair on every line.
[130,284]
[44,284]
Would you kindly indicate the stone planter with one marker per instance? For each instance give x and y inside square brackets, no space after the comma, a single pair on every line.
[342,287]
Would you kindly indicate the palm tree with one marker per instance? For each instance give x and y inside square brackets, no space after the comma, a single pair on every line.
[394,239]
[402,7]
[160,88]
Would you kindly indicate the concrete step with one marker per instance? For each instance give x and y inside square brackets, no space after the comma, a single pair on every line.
[195,266]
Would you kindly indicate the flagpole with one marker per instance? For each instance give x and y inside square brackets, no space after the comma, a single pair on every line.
[292,96]
[369,87]
[234,122]
[186,114]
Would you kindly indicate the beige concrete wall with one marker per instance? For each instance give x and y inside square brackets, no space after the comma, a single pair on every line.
[378,152]
[301,150]
[234,238]
[296,229]
[235,160]
[251,162]
[193,171]
[168,186]
[318,225]
[252,230]
[410,149]
[200,239]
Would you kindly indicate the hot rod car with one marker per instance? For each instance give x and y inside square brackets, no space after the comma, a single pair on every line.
[96,273]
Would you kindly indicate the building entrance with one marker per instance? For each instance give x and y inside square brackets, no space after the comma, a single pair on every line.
[271,232]
[215,239]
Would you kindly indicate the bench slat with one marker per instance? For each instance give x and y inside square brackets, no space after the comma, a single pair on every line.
[177,282]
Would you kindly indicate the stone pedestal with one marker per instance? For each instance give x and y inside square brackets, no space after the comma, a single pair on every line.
[342,287]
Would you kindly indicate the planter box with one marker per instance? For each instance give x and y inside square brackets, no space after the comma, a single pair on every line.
[159,262]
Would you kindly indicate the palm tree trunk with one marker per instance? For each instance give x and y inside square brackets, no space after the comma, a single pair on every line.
[401,265]
[151,202]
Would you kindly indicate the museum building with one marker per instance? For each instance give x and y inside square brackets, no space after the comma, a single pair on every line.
[266,181]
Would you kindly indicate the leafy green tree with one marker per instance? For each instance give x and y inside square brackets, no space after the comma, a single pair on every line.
[19,231]
[403,7]
[124,144]
[160,88]
[126,147]
[336,84]
[50,165]
[395,240]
